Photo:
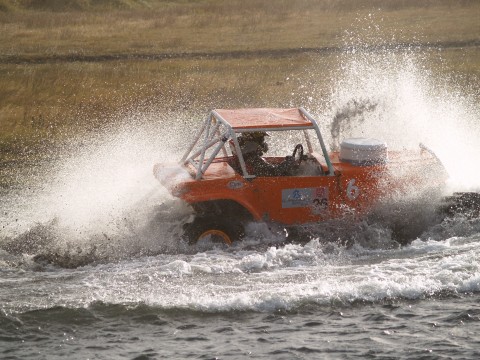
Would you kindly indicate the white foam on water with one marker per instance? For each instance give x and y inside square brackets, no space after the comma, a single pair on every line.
[278,278]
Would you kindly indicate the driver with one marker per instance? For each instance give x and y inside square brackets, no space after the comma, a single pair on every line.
[253,146]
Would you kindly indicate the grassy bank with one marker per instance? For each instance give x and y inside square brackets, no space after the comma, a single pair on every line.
[57,76]
[66,95]
[212,26]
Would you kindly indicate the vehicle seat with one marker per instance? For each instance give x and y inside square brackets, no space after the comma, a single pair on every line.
[310,167]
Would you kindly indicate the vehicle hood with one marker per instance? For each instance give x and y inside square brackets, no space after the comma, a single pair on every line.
[171,175]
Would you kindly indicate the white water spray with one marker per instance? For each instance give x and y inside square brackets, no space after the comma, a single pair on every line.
[103,194]
[395,97]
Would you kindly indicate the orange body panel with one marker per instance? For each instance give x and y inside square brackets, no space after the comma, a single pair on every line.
[305,199]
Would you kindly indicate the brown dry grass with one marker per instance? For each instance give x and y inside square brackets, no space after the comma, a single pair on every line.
[57,99]
[234,25]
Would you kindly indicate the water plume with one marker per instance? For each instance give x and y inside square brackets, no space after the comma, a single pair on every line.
[400,94]
[101,201]
[403,96]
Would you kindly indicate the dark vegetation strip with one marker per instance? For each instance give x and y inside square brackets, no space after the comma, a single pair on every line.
[59,58]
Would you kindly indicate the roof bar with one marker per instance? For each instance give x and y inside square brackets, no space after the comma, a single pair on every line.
[331,170]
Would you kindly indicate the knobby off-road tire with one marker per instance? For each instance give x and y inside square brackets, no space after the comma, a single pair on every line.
[219,230]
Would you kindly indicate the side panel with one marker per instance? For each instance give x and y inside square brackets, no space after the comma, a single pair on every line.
[237,189]
[361,188]
[296,200]
[292,199]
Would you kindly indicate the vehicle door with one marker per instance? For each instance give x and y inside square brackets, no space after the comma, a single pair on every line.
[296,199]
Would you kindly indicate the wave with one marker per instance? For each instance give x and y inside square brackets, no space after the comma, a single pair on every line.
[287,278]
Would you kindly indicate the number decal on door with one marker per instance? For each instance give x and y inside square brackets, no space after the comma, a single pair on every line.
[352,190]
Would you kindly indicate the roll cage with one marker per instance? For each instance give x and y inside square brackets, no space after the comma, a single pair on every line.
[224,126]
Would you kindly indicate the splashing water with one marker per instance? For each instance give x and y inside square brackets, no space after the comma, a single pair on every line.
[393,96]
[102,200]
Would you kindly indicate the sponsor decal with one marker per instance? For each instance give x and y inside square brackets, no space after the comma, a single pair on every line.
[235,184]
[320,200]
[314,198]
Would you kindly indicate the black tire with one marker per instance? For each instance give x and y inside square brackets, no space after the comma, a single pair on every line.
[220,230]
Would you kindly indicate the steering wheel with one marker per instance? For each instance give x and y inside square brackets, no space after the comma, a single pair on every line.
[298,154]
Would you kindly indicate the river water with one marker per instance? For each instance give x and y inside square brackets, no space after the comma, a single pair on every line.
[92,265]
[286,301]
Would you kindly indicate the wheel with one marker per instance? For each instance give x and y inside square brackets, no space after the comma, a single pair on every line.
[215,229]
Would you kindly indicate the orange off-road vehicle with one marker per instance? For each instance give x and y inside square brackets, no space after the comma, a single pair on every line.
[309,186]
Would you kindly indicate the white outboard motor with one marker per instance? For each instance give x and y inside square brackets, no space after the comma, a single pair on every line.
[363,151]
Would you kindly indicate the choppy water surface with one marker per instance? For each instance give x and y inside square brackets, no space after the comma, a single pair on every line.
[290,301]
[124,285]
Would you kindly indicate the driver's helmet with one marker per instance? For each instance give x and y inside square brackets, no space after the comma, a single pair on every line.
[253,142]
